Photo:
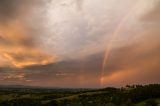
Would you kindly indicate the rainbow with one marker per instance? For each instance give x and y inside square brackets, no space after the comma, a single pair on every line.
[114,35]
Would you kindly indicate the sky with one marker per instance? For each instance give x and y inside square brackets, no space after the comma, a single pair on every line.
[79,43]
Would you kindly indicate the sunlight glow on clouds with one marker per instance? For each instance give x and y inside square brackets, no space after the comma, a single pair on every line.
[63,42]
[17,48]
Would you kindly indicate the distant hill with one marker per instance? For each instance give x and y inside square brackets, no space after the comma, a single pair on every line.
[131,95]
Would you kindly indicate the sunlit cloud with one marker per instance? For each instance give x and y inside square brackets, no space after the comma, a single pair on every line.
[79,43]
[17,47]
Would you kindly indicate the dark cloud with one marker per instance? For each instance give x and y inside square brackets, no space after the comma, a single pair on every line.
[12,9]
[9,9]
[85,72]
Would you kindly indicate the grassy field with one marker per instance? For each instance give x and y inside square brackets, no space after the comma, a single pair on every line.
[148,95]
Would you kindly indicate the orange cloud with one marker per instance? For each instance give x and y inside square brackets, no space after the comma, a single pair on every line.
[18,48]
[22,57]
[135,63]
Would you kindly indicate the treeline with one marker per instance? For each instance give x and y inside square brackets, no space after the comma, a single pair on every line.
[131,95]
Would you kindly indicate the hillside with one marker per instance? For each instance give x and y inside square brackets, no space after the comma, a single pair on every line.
[136,95]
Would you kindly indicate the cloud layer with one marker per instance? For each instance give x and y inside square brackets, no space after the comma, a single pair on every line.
[17,39]
[62,43]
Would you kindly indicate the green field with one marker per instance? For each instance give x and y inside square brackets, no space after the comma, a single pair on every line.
[138,95]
